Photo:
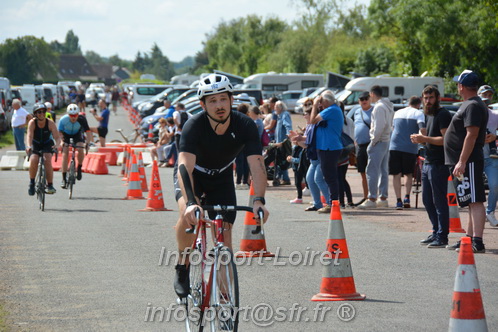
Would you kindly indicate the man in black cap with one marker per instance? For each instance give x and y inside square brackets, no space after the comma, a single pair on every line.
[463,152]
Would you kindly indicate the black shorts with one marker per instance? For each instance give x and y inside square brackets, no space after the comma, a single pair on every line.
[78,137]
[401,162]
[39,148]
[217,190]
[102,131]
[361,157]
[471,189]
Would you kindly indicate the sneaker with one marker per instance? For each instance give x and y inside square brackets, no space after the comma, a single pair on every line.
[244,186]
[406,203]
[78,174]
[429,239]
[296,201]
[324,209]
[437,244]
[306,192]
[64,184]
[492,219]
[399,206]
[454,246]
[478,247]
[182,282]
[238,186]
[311,208]
[368,204]
[285,183]
[382,203]
[50,190]
[31,190]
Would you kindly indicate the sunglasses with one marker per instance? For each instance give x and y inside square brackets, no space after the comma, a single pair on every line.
[308,104]
[73,115]
[39,112]
[364,99]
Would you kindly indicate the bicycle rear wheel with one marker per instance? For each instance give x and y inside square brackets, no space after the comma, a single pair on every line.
[40,187]
[225,292]
[196,296]
[71,178]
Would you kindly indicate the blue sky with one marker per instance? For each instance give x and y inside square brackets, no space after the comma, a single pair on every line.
[125,27]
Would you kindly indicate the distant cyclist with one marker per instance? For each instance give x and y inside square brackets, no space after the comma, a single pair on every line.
[210,142]
[50,114]
[41,135]
[73,125]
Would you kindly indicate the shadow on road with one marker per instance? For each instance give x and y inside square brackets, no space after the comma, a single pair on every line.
[381,301]
[75,210]
[97,198]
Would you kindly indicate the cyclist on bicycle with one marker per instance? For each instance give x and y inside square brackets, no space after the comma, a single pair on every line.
[72,125]
[41,135]
[210,142]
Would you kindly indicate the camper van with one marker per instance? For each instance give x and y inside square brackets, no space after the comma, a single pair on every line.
[397,89]
[28,95]
[273,84]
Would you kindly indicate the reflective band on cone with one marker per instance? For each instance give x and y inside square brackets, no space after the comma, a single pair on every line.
[252,245]
[455,224]
[155,201]
[337,281]
[134,188]
[467,310]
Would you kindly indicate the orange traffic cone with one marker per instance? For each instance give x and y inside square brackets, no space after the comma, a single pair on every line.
[337,281]
[155,201]
[125,161]
[141,171]
[467,311]
[134,191]
[150,135]
[455,224]
[252,245]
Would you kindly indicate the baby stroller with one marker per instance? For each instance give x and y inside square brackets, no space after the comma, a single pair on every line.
[276,161]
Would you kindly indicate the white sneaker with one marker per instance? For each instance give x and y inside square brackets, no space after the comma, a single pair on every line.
[492,220]
[306,192]
[368,204]
[382,203]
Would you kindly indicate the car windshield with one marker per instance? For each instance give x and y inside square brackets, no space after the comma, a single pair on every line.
[316,92]
[160,95]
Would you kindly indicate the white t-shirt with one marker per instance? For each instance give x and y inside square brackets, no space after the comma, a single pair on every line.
[19,117]
[177,118]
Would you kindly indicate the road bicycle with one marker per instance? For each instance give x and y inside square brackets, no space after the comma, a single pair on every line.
[41,179]
[71,176]
[131,138]
[213,300]
[417,178]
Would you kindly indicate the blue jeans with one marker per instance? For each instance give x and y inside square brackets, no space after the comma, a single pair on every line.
[378,170]
[19,138]
[434,192]
[491,170]
[316,183]
[328,161]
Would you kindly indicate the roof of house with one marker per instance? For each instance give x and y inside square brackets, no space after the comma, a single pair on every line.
[74,67]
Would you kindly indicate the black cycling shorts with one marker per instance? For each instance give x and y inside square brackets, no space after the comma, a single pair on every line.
[217,190]
[43,147]
[78,137]
[102,131]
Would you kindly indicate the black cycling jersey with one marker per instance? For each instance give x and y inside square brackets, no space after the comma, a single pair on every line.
[217,151]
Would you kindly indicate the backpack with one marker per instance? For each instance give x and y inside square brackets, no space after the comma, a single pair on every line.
[183,118]
[265,138]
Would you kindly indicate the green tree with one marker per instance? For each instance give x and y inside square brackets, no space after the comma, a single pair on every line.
[25,58]
[93,58]
[71,44]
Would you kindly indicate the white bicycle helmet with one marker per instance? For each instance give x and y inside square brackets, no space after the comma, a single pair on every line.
[48,104]
[214,84]
[73,109]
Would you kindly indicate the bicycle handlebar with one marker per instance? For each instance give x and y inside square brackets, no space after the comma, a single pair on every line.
[226,208]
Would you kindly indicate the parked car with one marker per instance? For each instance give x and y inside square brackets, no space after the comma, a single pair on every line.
[149,107]
[290,98]
[5,112]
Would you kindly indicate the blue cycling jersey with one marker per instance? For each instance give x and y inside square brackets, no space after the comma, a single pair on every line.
[66,126]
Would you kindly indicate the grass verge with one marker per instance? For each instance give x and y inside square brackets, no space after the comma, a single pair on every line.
[3,317]
[6,139]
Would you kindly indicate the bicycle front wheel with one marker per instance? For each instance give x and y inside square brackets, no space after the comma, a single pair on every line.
[71,179]
[225,292]
[40,187]
[196,296]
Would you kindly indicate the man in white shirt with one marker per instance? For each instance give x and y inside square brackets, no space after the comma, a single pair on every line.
[19,120]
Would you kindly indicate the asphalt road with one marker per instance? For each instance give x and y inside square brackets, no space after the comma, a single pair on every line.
[93,264]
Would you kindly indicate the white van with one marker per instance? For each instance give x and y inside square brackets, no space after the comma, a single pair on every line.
[28,95]
[273,83]
[56,97]
[141,92]
[397,89]
[5,86]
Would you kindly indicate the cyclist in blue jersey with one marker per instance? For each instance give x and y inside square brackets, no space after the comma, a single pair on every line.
[103,120]
[72,125]
[41,135]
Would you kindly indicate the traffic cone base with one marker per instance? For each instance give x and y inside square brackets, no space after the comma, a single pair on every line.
[337,280]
